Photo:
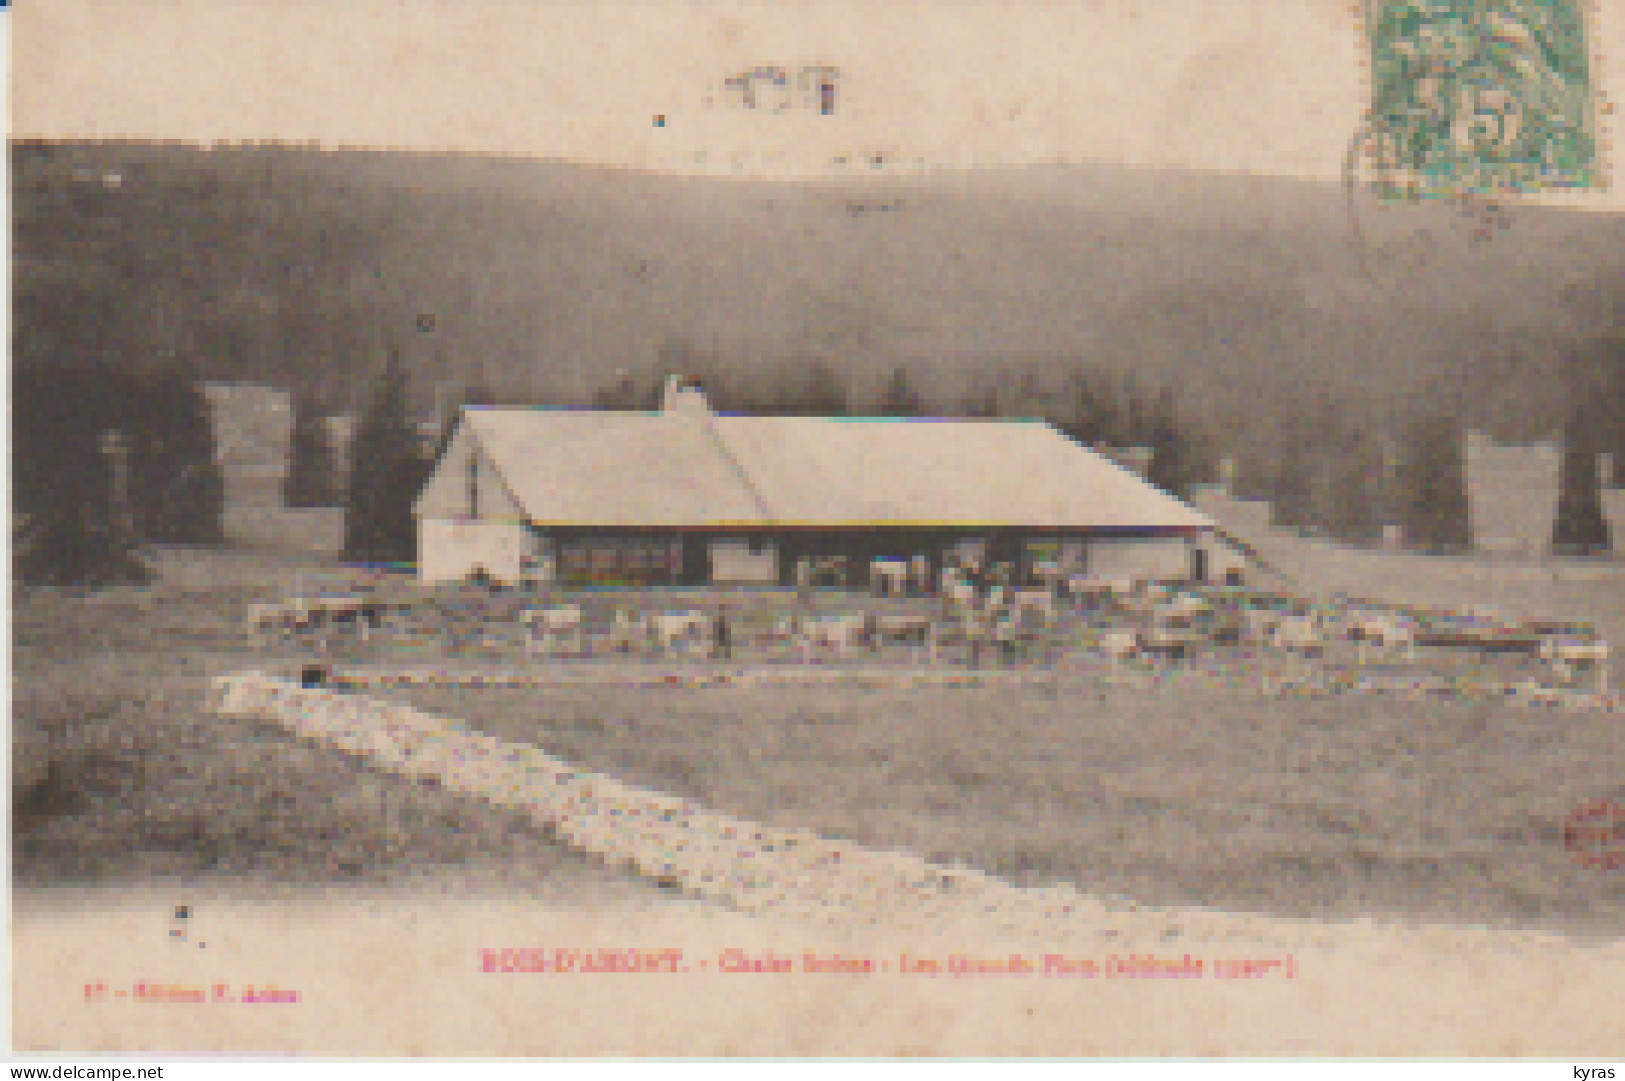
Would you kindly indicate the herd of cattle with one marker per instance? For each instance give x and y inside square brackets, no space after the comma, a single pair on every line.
[972,614]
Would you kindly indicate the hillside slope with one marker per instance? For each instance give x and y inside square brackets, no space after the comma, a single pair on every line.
[298,266]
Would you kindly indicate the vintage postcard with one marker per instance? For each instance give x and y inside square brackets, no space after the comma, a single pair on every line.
[765,529]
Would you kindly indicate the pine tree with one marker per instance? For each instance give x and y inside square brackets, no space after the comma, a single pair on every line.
[1094,418]
[1134,416]
[1171,459]
[479,395]
[899,398]
[177,491]
[1434,485]
[1580,527]
[982,403]
[1351,511]
[619,396]
[1611,405]
[311,467]
[61,477]
[823,394]
[387,472]
[827,391]
[74,544]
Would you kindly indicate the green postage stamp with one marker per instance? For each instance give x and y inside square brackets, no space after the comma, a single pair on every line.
[1480,97]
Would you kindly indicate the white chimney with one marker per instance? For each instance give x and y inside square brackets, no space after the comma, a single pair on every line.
[682,396]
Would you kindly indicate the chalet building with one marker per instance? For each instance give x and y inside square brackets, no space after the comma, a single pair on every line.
[686,496]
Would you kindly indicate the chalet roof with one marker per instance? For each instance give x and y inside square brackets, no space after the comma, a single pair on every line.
[689,468]
[612,469]
[940,472]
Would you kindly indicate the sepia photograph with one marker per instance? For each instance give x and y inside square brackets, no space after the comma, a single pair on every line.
[810,529]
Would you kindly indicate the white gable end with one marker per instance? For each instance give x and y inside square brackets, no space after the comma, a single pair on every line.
[464,468]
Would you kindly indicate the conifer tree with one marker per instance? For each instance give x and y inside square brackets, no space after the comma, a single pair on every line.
[1133,429]
[899,398]
[64,530]
[177,490]
[981,403]
[823,394]
[1351,507]
[1580,527]
[310,480]
[1610,402]
[1171,466]
[387,473]
[1434,485]
[73,543]
[1203,451]
[621,395]
[1093,417]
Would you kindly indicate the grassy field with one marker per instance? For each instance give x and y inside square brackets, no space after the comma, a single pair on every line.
[1328,808]
[120,777]
[1171,796]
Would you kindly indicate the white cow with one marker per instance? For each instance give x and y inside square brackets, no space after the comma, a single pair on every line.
[975,626]
[666,629]
[959,593]
[917,630]
[1187,604]
[548,624]
[827,570]
[1568,655]
[1389,632]
[896,628]
[1035,600]
[1005,630]
[840,633]
[1080,587]
[628,631]
[1050,572]
[978,628]
[1299,634]
[920,574]
[1258,624]
[303,613]
[334,609]
[267,617]
[1118,590]
[314,611]
[1119,646]
[887,576]
[297,613]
